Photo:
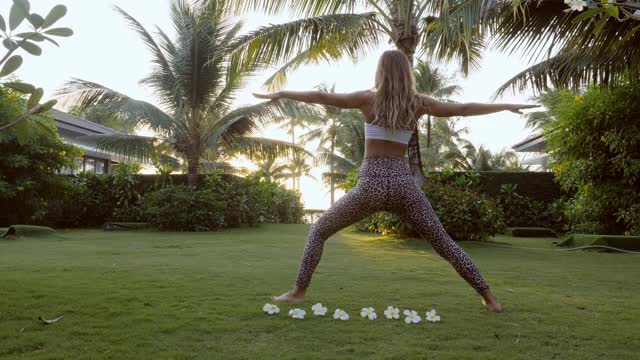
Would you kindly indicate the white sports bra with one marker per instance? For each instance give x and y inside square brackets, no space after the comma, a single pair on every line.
[381,133]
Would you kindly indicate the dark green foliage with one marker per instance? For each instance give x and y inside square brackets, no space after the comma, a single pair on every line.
[531,232]
[126,189]
[596,143]
[522,211]
[616,241]
[27,167]
[465,213]
[183,208]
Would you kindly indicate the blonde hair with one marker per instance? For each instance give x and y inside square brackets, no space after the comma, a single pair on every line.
[396,100]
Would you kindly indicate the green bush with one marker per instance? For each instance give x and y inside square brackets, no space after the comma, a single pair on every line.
[522,211]
[595,142]
[465,213]
[126,189]
[28,168]
[183,208]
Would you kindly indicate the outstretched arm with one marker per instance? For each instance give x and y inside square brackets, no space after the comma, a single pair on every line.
[447,109]
[353,100]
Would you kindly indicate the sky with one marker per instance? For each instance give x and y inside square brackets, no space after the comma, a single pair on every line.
[105,50]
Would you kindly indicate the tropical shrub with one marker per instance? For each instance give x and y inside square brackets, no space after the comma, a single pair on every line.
[464,212]
[27,165]
[595,143]
[126,189]
[522,211]
[183,208]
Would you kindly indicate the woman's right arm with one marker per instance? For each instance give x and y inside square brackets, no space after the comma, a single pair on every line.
[355,100]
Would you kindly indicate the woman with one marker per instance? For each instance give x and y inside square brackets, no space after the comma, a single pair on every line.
[384,183]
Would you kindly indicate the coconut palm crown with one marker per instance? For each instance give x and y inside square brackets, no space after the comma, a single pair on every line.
[195,78]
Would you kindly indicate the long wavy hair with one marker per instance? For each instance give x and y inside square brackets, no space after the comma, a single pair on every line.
[396,100]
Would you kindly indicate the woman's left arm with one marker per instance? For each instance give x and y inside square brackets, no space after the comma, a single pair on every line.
[447,109]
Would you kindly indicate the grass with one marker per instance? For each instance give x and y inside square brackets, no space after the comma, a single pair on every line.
[145,295]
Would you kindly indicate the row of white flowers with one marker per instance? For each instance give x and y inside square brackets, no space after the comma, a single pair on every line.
[393,313]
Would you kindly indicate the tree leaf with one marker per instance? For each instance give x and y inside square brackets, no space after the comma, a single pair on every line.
[36,20]
[33,36]
[17,15]
[46,107]
[31,48]
[20,87]
[58,12]
[23,131]
[9,44]
[65,32]
[11,65]
[51,41]
[3,24]
[35,98]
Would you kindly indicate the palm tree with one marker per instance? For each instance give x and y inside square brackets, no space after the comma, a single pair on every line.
[537,120]
[327,135]
[270,168]
[446,136]
[195,78]
[297,168]
[402,22]
[569,48]
[431,81]
[470,158]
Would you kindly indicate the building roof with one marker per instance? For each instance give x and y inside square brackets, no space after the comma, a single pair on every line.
[85,126]
[534,143]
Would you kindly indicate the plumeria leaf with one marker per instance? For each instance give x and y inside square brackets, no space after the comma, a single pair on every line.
[58,12]
[20,87]
[19,11]
[31,48]
[36,20]
[64,32]
[9,44]
[3,24]
[35,98]
[34,36]
[11,65]
[46,106]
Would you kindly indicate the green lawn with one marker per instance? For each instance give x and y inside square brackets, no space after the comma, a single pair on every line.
[143,295]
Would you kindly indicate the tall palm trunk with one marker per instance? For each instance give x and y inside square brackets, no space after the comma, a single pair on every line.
[293,141]
[193,165]
[429,140]
[406,40]
[333,184]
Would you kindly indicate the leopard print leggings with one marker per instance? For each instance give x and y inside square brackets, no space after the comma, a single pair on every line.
[385,184]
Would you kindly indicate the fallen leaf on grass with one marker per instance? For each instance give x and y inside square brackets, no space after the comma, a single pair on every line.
[49,322]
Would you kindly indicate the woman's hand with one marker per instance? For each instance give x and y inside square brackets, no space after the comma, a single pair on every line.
[272,96]
[517,108]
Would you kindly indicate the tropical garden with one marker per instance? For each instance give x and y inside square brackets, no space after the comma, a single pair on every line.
[178,262]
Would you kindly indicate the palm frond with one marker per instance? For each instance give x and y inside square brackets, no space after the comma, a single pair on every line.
[134,147]
[250,146]
[307,7]
[85,95]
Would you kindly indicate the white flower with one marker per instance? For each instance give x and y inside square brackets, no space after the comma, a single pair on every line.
[341,314]
[271,309]
[369,313]
[411,317]
[297,313]
[392,313]
[432,316]
[576,5]
[319,310]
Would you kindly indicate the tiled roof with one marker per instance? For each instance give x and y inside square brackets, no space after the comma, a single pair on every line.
[81,123]
[528,139]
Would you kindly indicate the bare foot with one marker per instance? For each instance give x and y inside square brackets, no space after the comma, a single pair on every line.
[490,302]
[492,306]
[289,297]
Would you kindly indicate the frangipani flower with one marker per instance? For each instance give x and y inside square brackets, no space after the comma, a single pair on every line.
[271,309]
[297,313]
[411,317]
[432,316]
[319,310]
[340,314]
[392,313]
[576,5]
[369,313]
